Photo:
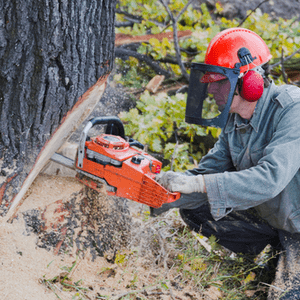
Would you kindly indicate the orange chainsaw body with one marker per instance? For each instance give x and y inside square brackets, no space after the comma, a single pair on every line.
[130,171]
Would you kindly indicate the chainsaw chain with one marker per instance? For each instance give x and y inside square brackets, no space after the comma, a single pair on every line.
[109,188]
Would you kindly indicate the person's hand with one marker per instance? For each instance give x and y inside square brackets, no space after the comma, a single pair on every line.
[188,185]
[179,182]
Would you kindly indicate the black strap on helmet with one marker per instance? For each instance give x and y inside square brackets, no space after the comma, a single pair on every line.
[245,57]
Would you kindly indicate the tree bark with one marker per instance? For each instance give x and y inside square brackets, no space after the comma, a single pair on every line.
[55,57]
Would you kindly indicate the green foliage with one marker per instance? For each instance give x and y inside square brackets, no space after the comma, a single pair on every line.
[120,258]
[158,122]
[281,36]
[132,73]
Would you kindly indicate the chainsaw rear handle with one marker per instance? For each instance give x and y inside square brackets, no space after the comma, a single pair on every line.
[114,126]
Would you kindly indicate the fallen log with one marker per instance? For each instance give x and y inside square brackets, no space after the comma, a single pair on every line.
[122,39]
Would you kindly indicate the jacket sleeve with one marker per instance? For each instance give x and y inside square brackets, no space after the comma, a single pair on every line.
[280,162]
[217,160]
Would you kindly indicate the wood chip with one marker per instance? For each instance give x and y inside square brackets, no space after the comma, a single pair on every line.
[155,83]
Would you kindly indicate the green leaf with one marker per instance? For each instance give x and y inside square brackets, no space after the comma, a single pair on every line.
[156,145]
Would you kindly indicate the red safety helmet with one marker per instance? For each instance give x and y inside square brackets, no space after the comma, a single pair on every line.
[223,49]
[235,55]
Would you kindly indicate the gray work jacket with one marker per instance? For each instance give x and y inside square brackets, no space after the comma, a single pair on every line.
[256,164]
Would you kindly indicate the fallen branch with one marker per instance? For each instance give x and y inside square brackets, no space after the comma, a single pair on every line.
[124,24]
[283,69]
[137,19]
[175,35]
[125,53]
[134,18]
[169,60]
[284,59]
[241,23]
[122,39]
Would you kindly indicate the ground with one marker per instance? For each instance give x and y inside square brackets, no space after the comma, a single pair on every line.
[31,272]
[69,243]
[275,8]
[145,258]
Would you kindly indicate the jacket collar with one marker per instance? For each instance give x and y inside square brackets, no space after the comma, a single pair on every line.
[235,120]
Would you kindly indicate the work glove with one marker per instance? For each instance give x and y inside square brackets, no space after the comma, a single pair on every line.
[180,182]
[191,188]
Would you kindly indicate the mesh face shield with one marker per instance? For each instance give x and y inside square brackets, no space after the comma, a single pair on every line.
[210,94]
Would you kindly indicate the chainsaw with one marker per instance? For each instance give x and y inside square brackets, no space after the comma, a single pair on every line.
[119,163]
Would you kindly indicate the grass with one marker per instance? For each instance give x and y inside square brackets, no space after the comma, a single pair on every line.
[65,283]
[166,258]
[185,261]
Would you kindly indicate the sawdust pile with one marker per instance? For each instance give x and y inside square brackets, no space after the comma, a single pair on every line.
[61,222]
[82,218]
[63,245]
[22,264]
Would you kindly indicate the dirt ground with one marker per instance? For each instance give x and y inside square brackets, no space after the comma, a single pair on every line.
[29,272]
[275,8]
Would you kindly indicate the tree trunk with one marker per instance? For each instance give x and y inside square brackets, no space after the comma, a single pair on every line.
[55,57]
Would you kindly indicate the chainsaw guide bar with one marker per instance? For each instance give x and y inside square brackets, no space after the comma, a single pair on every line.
[119,164]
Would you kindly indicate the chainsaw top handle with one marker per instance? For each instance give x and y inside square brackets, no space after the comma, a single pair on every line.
[114,127]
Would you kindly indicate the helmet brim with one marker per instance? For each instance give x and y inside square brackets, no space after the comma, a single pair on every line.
[209,77]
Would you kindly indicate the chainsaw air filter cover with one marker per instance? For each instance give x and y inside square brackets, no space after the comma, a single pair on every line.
[111,141]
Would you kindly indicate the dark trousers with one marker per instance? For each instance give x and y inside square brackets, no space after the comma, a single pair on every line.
[245,232]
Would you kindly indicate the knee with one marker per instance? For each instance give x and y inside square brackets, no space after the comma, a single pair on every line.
[195,218]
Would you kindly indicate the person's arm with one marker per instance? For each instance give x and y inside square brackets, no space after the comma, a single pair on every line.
[217,160]
[251,187]
[191,183]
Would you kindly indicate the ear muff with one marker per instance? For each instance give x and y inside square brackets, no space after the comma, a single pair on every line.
[251,86]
